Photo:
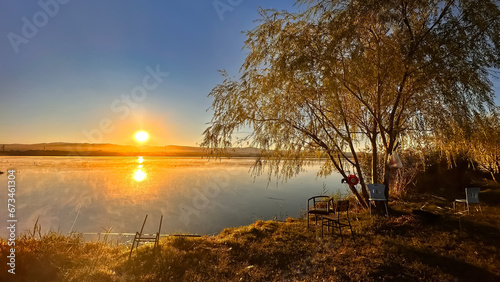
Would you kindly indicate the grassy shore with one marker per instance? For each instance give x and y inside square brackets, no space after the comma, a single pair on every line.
[402,247]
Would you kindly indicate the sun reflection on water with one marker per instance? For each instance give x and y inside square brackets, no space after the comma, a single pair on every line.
[140,175]
[131,181]
[98,191]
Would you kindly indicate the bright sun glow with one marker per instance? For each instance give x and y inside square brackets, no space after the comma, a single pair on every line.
[141,136]
[139,175]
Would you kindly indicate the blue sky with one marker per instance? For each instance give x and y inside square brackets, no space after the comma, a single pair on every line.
[65,74]
[62,82]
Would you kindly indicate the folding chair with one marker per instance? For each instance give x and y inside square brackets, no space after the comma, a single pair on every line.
[377,193]
[333,221]
[471,197]
[139,237]
[318,205]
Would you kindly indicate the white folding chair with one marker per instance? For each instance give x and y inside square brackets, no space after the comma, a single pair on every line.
[377,193]
[471,197]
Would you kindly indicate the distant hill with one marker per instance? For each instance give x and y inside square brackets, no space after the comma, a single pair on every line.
[86,149]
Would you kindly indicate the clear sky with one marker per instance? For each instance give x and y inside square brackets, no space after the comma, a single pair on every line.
[98,71]
[64,73]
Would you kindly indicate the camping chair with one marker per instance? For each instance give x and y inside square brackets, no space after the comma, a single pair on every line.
[139,237]
[333,221]
[318,205]
[471,197]
[376,192]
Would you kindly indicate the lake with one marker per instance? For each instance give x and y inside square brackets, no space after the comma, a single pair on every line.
[194,195]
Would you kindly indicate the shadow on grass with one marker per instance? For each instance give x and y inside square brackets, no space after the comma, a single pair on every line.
[490,197]
[475,228]
[460,270]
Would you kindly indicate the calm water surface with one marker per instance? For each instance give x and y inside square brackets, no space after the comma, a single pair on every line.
[194,195]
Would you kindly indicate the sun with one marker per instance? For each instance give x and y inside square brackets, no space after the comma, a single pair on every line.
[141,136]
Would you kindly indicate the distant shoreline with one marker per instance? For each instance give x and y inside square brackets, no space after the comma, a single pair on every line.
[94,154]
[99,150]
[54,153]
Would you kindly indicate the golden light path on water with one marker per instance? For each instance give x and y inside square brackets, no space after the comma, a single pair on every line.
[140,175]
[194,195]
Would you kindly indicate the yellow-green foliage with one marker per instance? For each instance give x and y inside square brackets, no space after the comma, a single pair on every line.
[400,247]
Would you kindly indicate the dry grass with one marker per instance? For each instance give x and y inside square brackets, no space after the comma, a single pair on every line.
[402,247]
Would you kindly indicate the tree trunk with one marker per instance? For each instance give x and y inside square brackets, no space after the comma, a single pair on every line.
[360,175]
[374,161]
[362,200]
[387,180]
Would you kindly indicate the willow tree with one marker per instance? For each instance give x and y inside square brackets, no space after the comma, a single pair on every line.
[485,143]
[340,74]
